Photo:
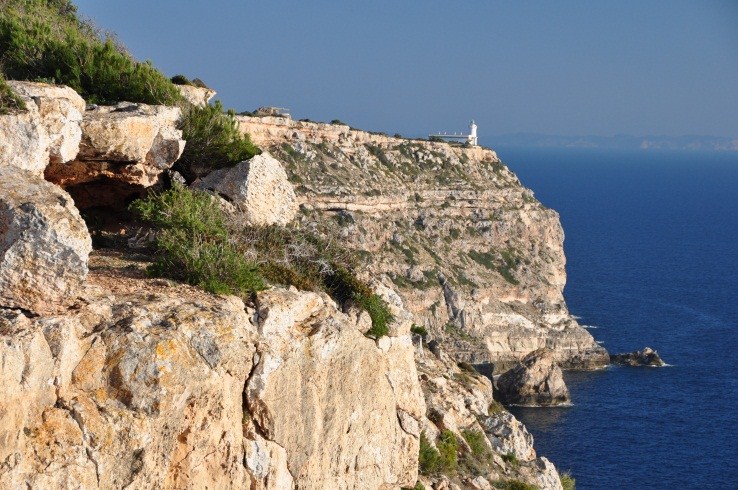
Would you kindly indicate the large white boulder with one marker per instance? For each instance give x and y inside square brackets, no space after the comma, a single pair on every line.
[259,187]
[24,142]
[60,111]
[44,244]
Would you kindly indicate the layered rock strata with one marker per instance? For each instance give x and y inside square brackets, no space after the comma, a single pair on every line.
[477,260]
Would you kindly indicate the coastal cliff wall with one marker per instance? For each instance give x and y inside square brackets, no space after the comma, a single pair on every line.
[477,260]
[113,379]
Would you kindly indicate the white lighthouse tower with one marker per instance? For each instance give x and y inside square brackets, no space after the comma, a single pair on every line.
[472,138]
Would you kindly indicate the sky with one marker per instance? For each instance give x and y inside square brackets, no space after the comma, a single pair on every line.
[412,67]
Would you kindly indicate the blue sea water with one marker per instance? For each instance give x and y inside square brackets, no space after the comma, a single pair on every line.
[652,260]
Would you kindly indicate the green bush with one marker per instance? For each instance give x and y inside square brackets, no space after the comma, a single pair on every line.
[44,39]
[475,439]
[192,243]
[568,481]
[418,330]
[9,100]
[448,449]
[428,457]
[292,256]
[513,485]
[512,459]
[213,141]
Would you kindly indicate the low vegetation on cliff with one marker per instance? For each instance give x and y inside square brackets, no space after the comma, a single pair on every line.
[196,242]
[9,101]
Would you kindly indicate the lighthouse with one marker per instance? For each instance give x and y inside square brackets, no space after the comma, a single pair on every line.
[472,138]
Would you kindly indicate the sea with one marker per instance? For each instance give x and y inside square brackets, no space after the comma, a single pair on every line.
[652,260]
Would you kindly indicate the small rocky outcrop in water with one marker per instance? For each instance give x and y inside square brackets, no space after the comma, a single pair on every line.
[645,357]
[536,381]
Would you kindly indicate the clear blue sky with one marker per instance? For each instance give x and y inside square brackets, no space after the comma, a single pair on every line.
[565,67]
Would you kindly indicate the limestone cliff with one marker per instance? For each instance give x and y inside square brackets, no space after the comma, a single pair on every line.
[475,257]
[112,379]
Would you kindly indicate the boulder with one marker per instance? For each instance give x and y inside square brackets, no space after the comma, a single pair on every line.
[536,381]
[24,142]
[124,149]
[258,186]
[44,244]
[197,96]
[60,110]
[645,357]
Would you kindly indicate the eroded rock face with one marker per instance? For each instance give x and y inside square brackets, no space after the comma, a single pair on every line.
[536,381]
[258,186]
[60,110]
[146,385]
[24,142]
[124,149]
[477,260]
[197,96]
[140,391]
[331,397]
[44,244]
[461,400]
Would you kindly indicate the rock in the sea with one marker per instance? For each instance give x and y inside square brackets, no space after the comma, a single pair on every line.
[197,96]
[645,357]
[44,244]
[124,149]
[60,110]
[536,381]
[258,186]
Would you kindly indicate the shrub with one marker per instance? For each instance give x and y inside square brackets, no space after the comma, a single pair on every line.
[192,242]
[338,121]
[513,485]
[213,141]
[475,439]
[181,80]
[444,460]
[418,330]
[44,39]
[512,459]
[568,482]
[428,457]
[292,256]
[9,100]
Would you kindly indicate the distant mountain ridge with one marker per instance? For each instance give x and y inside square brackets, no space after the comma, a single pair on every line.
[619,141]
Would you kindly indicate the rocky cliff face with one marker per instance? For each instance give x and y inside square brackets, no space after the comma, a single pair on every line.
[475,257]
[144,384]
[115,380]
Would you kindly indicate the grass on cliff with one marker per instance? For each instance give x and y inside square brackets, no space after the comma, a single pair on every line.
[199,244]
[9,101]
[442,459]
[296,257]
[193,243]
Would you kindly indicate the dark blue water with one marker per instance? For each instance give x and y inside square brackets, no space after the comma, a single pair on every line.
[652,252]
